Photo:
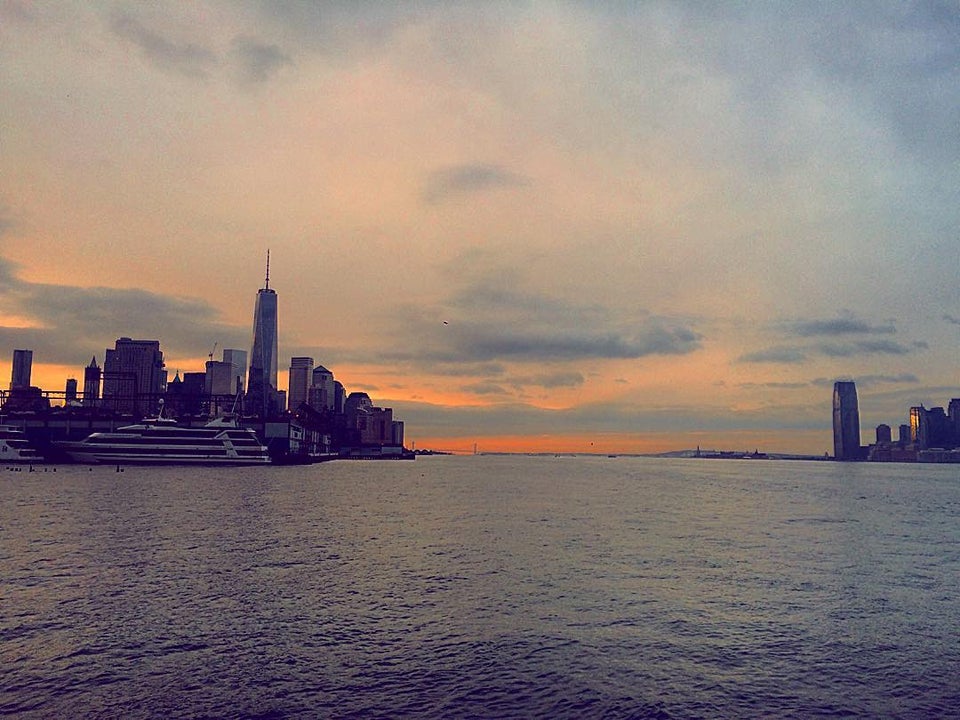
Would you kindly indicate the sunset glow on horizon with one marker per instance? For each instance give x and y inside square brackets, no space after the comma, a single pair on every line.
[544,227]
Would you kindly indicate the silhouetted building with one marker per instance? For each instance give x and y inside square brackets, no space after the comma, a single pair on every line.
[26,399]
[884,436]
[262,399]
[930,428]
[298,381]
[70,391]
[133,376]
[186,396]
[356,402]
[397,433]
[219,378]
[953,412]
[322,390]
[846,421]
[904,438]
[916,425]
[22,366]
[91,384]
[23,397]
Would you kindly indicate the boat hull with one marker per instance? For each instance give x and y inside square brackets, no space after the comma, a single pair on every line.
[88,458]
[160,443]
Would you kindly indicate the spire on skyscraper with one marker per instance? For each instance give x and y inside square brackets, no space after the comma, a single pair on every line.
[262,395]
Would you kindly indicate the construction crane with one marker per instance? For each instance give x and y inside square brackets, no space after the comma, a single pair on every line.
[214,350]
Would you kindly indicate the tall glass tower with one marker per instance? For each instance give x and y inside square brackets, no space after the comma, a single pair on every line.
[22,364]
[262,396]
[846,421]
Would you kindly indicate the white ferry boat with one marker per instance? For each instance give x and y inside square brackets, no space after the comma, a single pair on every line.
[15,447]
[160,441]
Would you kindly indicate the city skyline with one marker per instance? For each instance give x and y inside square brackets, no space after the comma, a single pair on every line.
[547,226]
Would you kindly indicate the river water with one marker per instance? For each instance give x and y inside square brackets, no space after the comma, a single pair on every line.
[482,587]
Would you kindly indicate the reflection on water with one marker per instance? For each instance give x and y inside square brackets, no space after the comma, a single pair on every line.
[482,587]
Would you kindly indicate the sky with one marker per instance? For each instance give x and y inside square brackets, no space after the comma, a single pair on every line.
[531,226]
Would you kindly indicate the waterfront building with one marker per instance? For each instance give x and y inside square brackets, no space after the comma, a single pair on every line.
[322,390]
[377,426]
[930,428]
[904,434]
[133,376]
[953,412]
[22,367]
[397,433]
[356,402]
[91,383]
[298,381]
[846,421]
[262,399]
[884,435]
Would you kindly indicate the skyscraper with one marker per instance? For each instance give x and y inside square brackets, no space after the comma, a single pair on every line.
[846,421]
[133,376]
[91,384]
[22,366]
[238,361]
[262,398]
[70,391]
[301,370]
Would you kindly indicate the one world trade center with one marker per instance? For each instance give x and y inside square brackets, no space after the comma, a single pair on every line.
[262,396]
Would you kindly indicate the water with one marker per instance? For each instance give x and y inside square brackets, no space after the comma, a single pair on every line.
[507,587]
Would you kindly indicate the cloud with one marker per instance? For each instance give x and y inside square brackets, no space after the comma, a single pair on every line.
[460,180]
[493,341]
[484,388]
[68,324]
[878,347]
[791,355]
[257,61]
[870,380]
[775,355]
[563,378]
[6,222]
[774,385]
[185,58]
[512,418]
[511,340]
[840,326]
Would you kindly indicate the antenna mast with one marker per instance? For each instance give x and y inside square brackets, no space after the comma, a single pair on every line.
[267,281]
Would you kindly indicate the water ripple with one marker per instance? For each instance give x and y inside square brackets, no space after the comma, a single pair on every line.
[482,587]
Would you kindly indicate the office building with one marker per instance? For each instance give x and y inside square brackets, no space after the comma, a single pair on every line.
[884,434]
[133,376]
[904,434]
[846,421]
[219,379]
[262,399]
[299,379]
[22,366]
[91,384]
[70,391]
[930,428]
[322,390]
[238,361]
